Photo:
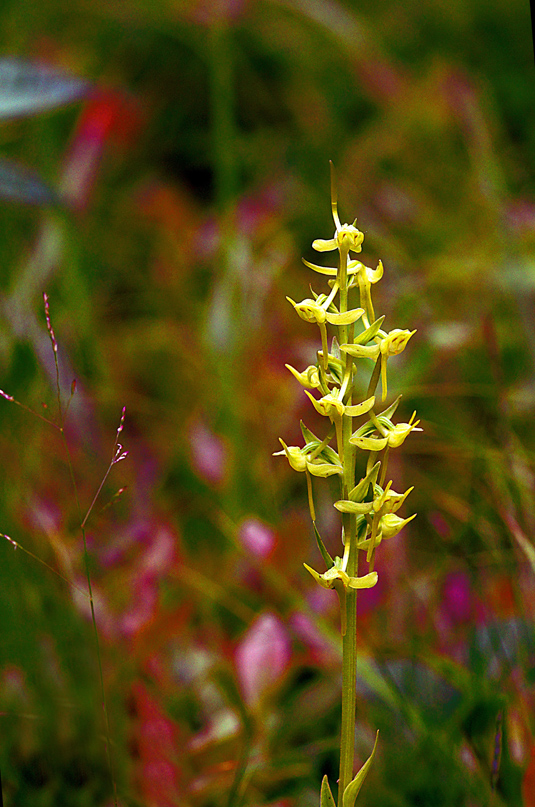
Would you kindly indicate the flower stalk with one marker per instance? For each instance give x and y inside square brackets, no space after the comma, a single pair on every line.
[363,439]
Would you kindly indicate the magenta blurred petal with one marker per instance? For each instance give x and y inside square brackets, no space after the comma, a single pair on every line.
[256,537]
[208,453]
[262,656]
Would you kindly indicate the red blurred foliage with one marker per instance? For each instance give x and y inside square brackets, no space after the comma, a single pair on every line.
[528,783]
[157,774]
[107,116]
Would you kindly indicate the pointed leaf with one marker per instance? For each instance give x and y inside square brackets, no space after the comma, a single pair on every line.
[27,87]
[308,436]
[330,455]
[19,184]
[369,333]
[352,790]
[326,797]
[374,275]
[387,413]
[324,554]
[359,491]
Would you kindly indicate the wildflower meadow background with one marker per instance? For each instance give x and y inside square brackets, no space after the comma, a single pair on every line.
[165,207]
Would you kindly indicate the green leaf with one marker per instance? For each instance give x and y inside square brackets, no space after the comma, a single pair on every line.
[330,455]
[326,797]
[369,333]
[308,436]
[359,491]
[352,790]
[387,413]
[369,443]
[321,546]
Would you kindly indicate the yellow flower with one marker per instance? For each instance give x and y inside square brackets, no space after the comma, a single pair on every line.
[346,237]
[395,342]
[329,405]
[391,524]
[309,310]
[295,456]
[329,578]
[363,277]
[326,464]
[309,378]
[393,501]
[400,431]
[390,344]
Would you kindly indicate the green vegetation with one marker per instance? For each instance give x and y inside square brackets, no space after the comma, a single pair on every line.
[173,198]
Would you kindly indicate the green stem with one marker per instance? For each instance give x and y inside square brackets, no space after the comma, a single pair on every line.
[349,693]
[349,641]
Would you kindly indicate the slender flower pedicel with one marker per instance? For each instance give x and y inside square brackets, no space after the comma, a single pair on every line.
[355,448]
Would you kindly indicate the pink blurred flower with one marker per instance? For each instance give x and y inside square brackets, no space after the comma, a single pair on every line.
[262,656]
[208,453]
[256,537]
[457,598]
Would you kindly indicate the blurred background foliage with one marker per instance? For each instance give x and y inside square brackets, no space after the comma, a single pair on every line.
[194,176]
